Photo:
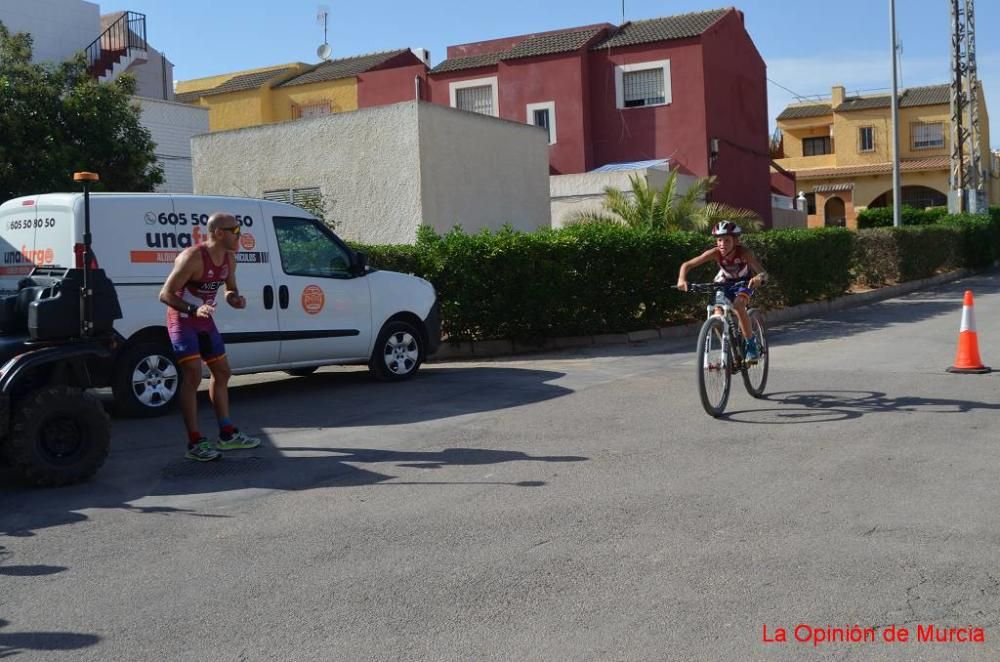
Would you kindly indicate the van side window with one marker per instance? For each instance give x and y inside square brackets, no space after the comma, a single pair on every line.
[306,249]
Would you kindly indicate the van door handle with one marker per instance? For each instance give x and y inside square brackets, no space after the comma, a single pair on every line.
[283,296]
[268,297]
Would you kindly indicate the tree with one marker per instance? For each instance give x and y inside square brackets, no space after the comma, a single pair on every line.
[666,209]
[57,119]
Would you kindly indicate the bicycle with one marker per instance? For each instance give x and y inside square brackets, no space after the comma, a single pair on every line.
[720,351]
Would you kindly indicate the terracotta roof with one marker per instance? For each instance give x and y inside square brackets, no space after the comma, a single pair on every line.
[667,28]
[932,95]
[468,62]
[631,33]
[550,44]
[906,165]
[810,110]
[249,81]
[833,188]
[343,67]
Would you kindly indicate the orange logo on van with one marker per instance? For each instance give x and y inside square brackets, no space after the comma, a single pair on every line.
[313,299]
[247,242]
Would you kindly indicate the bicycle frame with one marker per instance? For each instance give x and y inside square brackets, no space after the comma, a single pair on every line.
[723,309]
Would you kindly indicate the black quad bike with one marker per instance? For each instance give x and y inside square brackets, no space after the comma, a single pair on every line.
[56,341]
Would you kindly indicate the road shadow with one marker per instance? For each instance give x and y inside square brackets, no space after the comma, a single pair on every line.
[797,407]
[147,455]
[268,468]
[12,643]
[351,398]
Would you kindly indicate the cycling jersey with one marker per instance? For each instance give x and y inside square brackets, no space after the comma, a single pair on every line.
[190,335]
[733,267]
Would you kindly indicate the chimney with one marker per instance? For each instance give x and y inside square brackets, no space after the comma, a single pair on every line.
[837,97]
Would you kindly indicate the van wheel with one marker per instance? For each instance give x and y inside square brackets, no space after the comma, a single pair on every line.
[146,380]
[398,352]
[301,372]
[59,435]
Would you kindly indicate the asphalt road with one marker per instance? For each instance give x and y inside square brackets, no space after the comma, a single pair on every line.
[572,506]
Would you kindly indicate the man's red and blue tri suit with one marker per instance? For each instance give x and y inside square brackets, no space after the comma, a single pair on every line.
[193,336]
[734,268]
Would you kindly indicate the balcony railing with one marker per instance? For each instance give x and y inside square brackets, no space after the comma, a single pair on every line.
[120,40]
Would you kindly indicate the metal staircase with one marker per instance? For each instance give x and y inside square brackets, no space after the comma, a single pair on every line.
[122,44]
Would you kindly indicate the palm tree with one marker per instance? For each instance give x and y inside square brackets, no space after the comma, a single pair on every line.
[666,209]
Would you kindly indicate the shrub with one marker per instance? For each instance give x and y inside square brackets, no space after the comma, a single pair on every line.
[881,217]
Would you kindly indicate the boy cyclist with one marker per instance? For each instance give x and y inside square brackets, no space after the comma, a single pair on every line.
[736,263]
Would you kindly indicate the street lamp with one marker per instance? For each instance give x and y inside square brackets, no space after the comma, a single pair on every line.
[896,196]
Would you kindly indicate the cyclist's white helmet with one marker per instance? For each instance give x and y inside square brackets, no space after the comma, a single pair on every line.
[723,228]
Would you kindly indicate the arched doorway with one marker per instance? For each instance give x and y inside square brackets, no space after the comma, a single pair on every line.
[834,213]
[918,197]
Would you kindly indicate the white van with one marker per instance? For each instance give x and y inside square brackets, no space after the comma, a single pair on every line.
[311,300]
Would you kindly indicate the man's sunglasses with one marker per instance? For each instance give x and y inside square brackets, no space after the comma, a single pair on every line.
[235,230]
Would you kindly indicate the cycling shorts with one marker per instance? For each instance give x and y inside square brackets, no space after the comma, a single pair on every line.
[194,339]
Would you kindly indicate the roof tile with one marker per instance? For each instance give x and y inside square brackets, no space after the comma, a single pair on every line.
[905,165]
[550,44]
[468,62]
[239,83]
[680,26]
[801,112]
[343,68]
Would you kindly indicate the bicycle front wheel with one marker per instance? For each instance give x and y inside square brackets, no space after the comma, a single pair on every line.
[755,374]
[714,367]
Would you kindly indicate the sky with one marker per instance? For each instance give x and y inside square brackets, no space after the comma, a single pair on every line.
[808,45]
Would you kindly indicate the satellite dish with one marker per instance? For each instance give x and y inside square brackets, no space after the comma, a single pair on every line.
[322,14]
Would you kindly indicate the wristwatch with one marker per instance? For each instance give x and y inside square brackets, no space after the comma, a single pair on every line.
[192,309]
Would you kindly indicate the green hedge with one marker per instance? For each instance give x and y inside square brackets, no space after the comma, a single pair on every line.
[881,217]
[595,278]
[890,255]
[592,279]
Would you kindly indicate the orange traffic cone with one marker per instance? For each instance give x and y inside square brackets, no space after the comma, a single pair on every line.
[967,359]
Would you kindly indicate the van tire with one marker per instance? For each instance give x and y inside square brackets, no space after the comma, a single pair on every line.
[143,356]
[59,435]
[399,352]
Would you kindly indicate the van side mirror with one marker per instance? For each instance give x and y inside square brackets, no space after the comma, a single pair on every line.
[359,263]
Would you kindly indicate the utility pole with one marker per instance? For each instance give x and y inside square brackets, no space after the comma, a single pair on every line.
[974,179]
[897,201]
[957,199]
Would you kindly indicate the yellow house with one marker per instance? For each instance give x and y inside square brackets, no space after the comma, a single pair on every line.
[841,153]
[288,91]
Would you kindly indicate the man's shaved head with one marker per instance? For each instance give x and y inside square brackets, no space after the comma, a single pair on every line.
[220,220]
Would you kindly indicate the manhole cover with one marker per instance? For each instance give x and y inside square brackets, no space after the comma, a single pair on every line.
[218,468]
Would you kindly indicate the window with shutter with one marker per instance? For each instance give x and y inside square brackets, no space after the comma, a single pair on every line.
[475,99]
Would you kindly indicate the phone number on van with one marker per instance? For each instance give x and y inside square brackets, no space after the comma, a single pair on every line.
[29,223]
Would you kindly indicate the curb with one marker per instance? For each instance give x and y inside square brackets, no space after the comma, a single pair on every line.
[491,348]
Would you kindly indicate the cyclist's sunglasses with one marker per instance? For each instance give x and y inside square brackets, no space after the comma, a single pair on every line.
[235,230]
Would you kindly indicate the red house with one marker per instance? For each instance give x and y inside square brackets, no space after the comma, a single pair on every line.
[689,88]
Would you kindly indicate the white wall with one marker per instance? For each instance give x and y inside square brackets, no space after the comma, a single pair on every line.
[172,126]
[364,162]
[384,171]
[60,28]
[151,74]
[481,172]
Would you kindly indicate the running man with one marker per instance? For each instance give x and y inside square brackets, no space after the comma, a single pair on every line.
[190,295]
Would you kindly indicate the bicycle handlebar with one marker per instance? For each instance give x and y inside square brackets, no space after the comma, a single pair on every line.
[711,287]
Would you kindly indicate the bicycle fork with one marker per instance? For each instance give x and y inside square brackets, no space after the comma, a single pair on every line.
[722,312]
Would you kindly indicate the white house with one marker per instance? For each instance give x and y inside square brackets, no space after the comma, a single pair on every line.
[384,171]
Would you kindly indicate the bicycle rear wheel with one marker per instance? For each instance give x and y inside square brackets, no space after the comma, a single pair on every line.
[714,367]
[755,374]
